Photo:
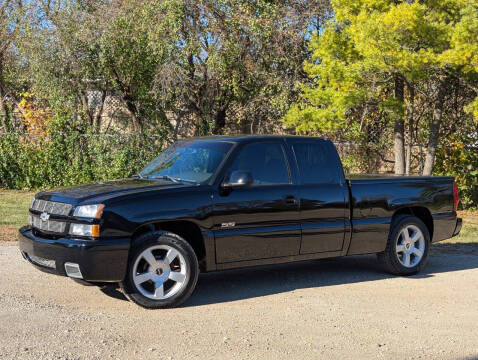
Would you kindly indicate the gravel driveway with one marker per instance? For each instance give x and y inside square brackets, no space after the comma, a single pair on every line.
[341,308]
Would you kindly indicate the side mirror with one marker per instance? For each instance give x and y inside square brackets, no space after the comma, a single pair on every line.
[239,179]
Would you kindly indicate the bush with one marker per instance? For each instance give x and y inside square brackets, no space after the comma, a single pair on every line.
[68,159]
[457,157]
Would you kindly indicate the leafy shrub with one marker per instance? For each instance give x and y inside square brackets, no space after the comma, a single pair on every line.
[68,159]
[458,157]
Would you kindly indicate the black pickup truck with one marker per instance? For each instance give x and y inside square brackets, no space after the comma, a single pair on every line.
[220,203]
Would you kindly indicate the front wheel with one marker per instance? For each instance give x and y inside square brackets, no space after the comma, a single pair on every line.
[407,247]
[162,271]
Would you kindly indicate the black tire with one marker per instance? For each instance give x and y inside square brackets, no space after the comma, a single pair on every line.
[172,240]
[389,259]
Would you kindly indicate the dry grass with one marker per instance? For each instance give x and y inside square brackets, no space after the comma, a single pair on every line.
[8,233]
[470,216]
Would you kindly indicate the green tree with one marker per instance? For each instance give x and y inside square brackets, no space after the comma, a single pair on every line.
[234,62]
[59,47]
[207,66]
[12,81]
[380,61]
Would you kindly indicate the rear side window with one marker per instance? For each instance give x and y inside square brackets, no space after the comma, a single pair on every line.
[314,161]
[265,161]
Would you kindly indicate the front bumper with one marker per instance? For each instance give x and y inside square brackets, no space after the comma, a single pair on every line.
[103,260]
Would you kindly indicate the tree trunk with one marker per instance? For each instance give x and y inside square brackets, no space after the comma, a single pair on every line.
[98,117]
[203,126]
[410,109]
[420,160]
[434,129]
[219,121]
[399,130]
[3,112]
[133,110]
[3,106]
[85,107]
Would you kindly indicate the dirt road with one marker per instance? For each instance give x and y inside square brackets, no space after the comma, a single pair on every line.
[342,308]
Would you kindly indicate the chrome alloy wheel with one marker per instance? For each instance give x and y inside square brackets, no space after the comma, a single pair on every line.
[159,272]
[410,246]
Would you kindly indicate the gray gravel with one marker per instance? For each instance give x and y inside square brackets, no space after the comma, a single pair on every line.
[342,308]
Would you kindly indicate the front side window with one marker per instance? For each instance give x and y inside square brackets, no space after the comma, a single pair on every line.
[265,162]
[191,161]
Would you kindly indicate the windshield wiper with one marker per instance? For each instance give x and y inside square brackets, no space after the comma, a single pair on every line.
[186,180]
[170,178]
[165,177]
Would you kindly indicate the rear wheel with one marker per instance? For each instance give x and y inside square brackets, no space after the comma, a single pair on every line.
[407,247]
[162,271]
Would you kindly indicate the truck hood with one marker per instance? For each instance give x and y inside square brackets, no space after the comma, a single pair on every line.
[105,190]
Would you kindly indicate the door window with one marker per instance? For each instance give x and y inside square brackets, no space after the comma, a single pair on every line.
[265,162]
[314,162]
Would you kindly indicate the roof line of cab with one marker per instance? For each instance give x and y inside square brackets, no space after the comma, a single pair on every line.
[240,138]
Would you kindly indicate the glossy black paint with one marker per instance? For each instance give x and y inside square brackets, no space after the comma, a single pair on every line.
[103,260]
[246,225]
[323,217]
[376,200]
[266,217]
[266,224]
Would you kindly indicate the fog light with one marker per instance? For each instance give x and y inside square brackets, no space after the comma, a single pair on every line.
[37,260]
[73,270]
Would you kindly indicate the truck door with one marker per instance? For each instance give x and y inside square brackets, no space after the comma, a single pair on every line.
[262,220]
[322,194]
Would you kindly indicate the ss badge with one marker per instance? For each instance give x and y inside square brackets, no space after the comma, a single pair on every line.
[228,224]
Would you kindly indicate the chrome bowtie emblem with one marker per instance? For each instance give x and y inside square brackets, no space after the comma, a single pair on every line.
[44,216]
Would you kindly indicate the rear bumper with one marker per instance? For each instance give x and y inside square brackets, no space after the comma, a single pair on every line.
[104,260]
[445,226]
[459,223]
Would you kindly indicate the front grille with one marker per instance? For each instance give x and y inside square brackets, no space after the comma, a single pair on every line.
[48,225]
[51,207]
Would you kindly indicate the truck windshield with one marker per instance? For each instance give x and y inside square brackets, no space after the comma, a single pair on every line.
[189,161]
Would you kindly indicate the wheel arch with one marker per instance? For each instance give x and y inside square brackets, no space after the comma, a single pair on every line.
[188,230]
[420,212]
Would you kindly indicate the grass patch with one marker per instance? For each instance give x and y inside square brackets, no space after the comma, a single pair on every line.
[13,212]
[14,207]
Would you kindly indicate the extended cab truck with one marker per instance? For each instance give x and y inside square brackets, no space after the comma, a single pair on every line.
[227,202]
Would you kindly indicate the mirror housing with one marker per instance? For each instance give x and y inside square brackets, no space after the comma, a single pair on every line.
[238,179]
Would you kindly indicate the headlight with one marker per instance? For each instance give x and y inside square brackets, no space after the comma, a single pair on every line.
[31,203]
[85,230]
[89,211]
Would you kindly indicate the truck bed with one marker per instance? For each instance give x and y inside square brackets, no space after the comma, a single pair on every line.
[374,199]
[382,178]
